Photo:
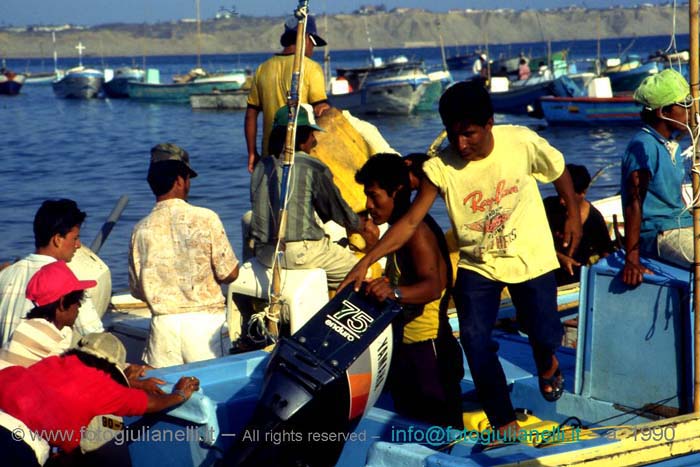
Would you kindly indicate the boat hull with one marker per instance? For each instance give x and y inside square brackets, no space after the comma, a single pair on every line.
[10,84]
[78,86]
[627,81]
[177,92]
[385,99]
[235,100]
[117,88]
[598,388]
[522,100]
[587,111]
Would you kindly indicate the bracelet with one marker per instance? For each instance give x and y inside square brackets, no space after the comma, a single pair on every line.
[180,393]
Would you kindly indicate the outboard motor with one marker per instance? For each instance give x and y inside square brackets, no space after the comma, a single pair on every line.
[318,384]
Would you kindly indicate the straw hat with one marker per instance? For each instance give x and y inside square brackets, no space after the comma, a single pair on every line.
[106,346]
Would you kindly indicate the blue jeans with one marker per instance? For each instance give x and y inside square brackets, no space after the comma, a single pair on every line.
[477,299]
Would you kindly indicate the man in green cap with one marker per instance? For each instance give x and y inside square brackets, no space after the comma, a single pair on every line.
[657,222]
[178,258]
[312,195]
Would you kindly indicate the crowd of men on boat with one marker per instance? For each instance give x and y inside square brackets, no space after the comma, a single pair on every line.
[60,368]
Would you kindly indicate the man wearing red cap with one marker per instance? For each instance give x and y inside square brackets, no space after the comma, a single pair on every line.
[56,294]
[273,80]
[179,257]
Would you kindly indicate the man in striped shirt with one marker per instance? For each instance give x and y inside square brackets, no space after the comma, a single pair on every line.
[56,294]
[313,199]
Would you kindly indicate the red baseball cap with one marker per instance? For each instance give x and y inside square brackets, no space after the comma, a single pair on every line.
[52,282]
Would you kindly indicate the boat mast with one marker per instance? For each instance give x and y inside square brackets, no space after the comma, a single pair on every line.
[369,40]
[694,76]
[293,103]
[598,65]
[199,36]
[55,54]
[442,46]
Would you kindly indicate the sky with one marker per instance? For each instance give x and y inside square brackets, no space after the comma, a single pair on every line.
[92,12]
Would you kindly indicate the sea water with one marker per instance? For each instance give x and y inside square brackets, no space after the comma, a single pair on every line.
[94,151]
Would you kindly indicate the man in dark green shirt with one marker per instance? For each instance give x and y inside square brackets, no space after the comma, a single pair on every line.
[313,198]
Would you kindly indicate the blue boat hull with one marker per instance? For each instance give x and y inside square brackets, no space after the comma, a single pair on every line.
[117,88]
[628,81]
[10,88]
[524,99]
[176,93]
[633,356]
[587,111]
[76,86]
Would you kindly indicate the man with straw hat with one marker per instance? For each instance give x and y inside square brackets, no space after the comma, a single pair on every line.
[57,397]
[657,221]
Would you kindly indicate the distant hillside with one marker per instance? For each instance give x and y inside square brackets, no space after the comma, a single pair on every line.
[394,29]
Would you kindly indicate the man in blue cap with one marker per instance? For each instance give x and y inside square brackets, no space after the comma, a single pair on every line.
[657,221]
[273,80]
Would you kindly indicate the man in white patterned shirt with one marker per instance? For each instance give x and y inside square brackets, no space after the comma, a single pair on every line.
[179,257]
[56,237]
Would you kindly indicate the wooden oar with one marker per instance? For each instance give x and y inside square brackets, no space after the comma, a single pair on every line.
[273,314]
[109,223]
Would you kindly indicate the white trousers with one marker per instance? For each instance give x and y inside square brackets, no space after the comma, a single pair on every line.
[186,337]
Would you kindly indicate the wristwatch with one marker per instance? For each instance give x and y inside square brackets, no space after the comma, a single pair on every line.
[397,294]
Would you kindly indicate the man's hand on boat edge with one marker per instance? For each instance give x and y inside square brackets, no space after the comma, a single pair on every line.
[356,275]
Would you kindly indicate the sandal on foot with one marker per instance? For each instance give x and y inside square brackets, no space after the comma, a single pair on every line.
[556,382]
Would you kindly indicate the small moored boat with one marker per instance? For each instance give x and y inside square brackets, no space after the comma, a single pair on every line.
[115,86]
[10,82]
[79,82]
[586,111]
[394,88]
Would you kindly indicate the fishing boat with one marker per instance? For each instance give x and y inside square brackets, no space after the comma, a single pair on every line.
[462,61]
[589,111]
[79,82]
[45,77]
[625,76]
[10,82]
[605,414]
[220,100]
[522,97]
[199,82]
[196,81]
[115,85]
[395,87]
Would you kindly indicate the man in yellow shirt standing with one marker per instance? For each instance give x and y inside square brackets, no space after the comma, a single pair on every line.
[272,83]
[488,178]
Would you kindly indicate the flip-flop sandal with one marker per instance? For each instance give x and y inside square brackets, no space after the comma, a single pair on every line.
[556,382]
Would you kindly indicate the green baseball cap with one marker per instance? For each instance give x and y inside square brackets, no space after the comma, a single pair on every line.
[171,152]
[304,118]
[662,89]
